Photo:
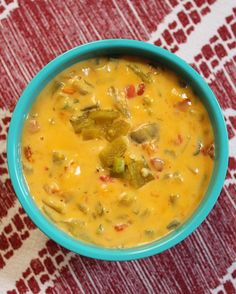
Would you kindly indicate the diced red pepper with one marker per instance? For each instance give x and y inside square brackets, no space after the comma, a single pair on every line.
[141,89]
[209,150]
[157,163]
[120,227]
[106,178]
[28,153]
[150,148]
[33,126]
[179,140]
[184,104]
[68,90]
[130,91]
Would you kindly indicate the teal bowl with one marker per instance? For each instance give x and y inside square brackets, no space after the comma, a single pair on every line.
[116,47]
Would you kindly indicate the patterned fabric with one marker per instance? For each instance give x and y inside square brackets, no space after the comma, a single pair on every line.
[203,32]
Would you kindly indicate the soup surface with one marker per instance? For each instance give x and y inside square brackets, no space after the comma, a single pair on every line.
[117,152]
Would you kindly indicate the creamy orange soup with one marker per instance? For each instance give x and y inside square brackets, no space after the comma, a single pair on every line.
[117,152]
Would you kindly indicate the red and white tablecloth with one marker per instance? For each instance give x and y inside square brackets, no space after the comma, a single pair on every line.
[203,32]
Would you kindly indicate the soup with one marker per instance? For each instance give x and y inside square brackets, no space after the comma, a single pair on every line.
[117,152]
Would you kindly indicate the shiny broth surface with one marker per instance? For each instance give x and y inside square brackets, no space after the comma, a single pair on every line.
[117,152]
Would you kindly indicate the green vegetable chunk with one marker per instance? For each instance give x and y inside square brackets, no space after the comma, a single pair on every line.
[80,122]
[126,198]
[28,168]
[198,148]
[56,86]
[147,101]
[58,157]
[114,149]
[149,233]
[145,133]
[173,225]
[116,129]
[75,227]
[173,198]
[90,107]
[143,76]
[99,209]
[51,213]
[138,173]
[100,229]
[118,165]
[103,115]
[55,204]
[83,208]
[91,133]
[64,102]
[120,102]
[82,86]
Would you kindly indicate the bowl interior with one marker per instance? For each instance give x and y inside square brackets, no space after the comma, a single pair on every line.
[111,48]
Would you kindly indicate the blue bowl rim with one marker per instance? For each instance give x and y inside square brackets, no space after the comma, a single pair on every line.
[15,170]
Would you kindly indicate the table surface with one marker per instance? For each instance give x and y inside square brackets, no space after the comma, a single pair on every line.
[203,32]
